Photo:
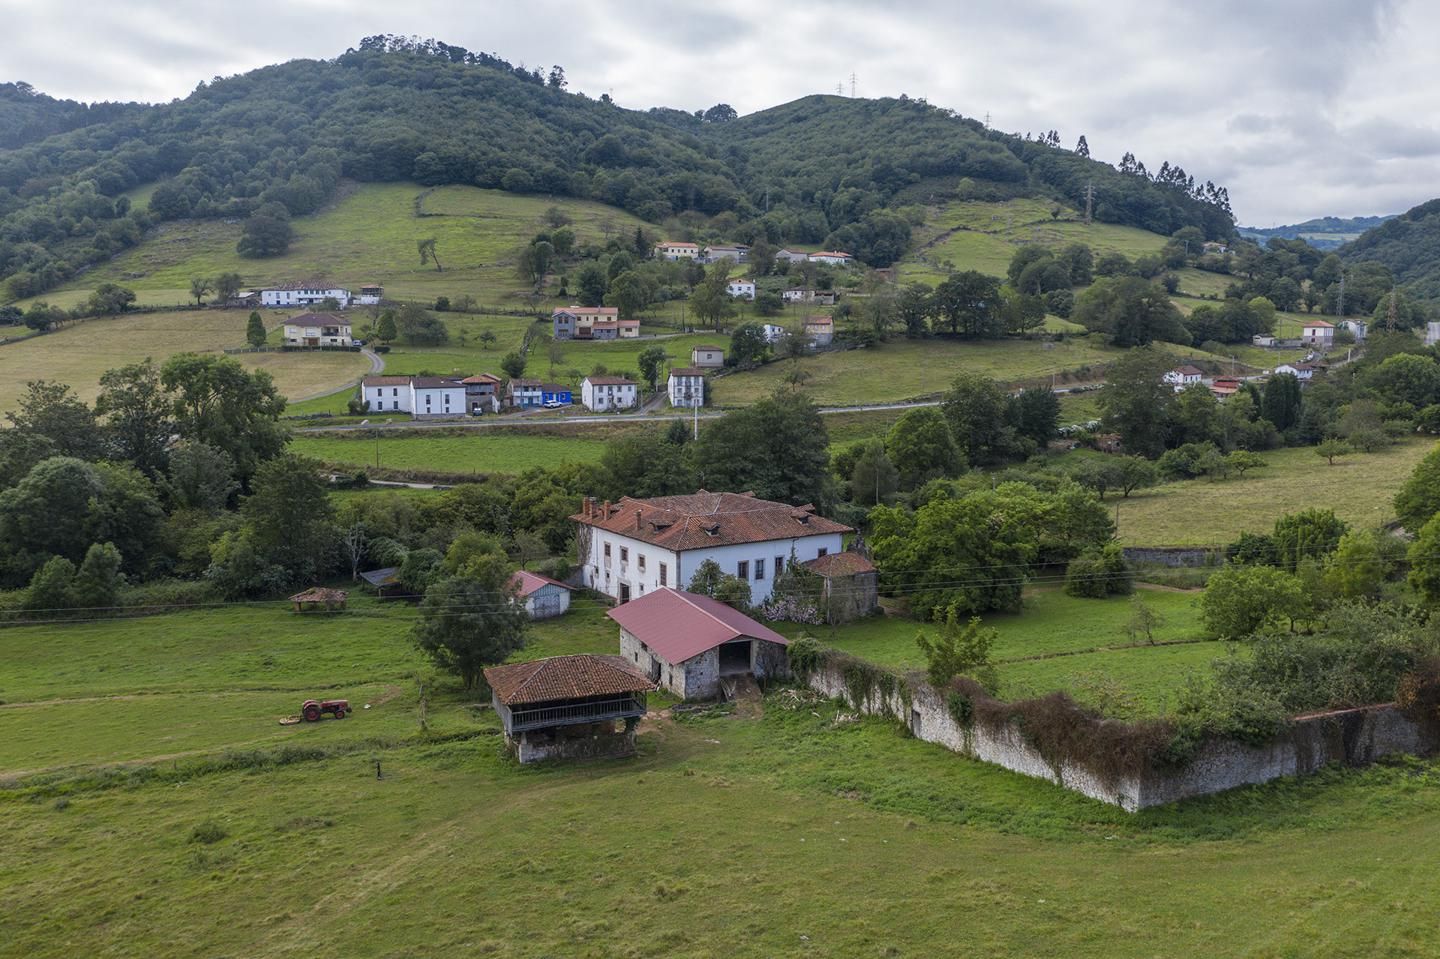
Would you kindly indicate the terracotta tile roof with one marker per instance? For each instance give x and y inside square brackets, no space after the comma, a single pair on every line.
[588,310]
[435,382]
[818,321]
[564,677]
[320,594]
[704,520]
[609,381]
[845,563]
[1320,323]
[687,371]
[317,319]
[679,626]
[386,381]
[526,582]
[695,246]
[832,253]
[1188,371]
[481,378]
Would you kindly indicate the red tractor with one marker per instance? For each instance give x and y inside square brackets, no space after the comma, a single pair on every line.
[313,709]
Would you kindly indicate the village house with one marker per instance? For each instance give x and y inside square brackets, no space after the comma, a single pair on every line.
[601,394]
[578,322]
[613,330]
[1262,339]
[1213,248]
[773,333]
[1317,334]
[370,294]
[524,394]
[313,293]
[675,250]
[686,387]
[820,329]
[1224,387]
[1301,371]
[832,258]
[791,256]
[736,253]
[556,394]
[692,644]
[386,394]
[1356,328]
[318,329]
[544,598]
[816,297]
[707,357]
[482,393]
[569,707]
[636,546]
[851,585]
[743,289]
[1183,376]
[423,397]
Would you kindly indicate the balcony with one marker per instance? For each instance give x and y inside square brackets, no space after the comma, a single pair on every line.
[519,719]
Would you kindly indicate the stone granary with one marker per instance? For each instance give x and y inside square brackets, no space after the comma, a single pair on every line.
[690,643]
[319,597]
[569,707]
[851,585]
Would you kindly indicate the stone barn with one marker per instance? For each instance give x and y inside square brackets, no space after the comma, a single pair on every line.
[689,643]
[544,598]
[852,586]
[569,707]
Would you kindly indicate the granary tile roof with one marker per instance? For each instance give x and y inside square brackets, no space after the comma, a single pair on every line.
[526,582]
[846,563]
[678,626]
[564,677]
[702,520]
[320,594]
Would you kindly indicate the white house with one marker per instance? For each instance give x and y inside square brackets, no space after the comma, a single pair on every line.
[1262,339]
[773,334]
[676,250]
[832,257]
[1183,376]
[745,289]
[304,294]
[691,644]
[821,297]
[370,294]
[604,393]
[1357,329]
[820,329]
[1317,333]
[422,397]
[707,357]
[686,387]
[1432,333]
[387,394]
[1301,371]
[637,546]
[544,598]
[318,329]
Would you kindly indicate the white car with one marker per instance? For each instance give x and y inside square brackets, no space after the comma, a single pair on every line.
[554,405]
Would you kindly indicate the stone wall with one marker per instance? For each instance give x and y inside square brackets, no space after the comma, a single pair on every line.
[1174,556]
[1354,737]
[607,740]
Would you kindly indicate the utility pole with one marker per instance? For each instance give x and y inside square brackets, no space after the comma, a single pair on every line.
[1090,202]
[987,119]
[840,89]
[695,430]
[852,85]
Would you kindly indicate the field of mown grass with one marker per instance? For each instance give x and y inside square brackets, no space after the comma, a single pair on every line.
[78,354]
[226,834]
[1359,488]
[369,235]
[475,451]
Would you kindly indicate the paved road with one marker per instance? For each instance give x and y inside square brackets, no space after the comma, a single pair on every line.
[377,366]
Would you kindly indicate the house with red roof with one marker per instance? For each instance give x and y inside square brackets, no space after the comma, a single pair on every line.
[634,547]
[1183,376]
[677,250]
[544,598]
[688,643]
[1318,334]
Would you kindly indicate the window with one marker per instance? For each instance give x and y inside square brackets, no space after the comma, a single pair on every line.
[607,550]
[641,559]
[664,575]
[394,391]
[821,552]
[742,569]
[779,565]
[624,554]
[759,570]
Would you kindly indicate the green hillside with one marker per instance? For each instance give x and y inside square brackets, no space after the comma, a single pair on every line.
[1409,245]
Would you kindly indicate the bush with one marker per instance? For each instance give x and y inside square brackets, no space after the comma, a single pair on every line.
[208,832]
[169,592]
[1099,573]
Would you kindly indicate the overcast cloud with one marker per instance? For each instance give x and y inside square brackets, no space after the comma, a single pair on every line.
[1301,107]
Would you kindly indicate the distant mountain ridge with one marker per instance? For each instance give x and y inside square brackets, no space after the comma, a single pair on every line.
[1323,233]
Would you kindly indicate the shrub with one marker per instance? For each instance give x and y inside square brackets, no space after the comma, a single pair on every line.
[208,832]
[1100,573]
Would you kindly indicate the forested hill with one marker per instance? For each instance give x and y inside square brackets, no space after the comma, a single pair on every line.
[1323,233]
[1409,245]
[27,115]
[819,170]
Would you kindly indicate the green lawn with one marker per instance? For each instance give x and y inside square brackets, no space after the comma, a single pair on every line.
[1359,488]
[475,451]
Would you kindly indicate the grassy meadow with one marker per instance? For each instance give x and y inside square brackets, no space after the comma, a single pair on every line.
[78,354]
[212,830]
[496,450]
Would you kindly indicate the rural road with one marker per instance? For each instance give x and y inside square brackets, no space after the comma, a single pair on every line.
[377,366]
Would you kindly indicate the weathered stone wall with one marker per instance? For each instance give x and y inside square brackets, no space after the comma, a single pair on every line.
[769,660]
[1354,737]
[591,741]
[701,676]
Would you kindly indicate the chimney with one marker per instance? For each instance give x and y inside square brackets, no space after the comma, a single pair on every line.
[606,514]
[637,518]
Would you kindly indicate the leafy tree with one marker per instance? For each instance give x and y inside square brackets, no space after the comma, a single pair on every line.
[1406,378]
[969,302]
[650,362]
[419,328]
[1359,566]
[487,339]
[138,414]
[110,298]
[1021,312]
[711,301]
[96,587]
[513,365]
[1144,620]
[922,448]
[914,309]
[201,477]
[1098,573]
[1135,400]
[720,113]
[1241,461]
[629,293]
[426,249]
[1282,401]
[387,333]
[54,419]
[1424,559]
[267,233]
[220,403]
[227,285]
[255,329]
[976,408]
[1035,414]
[1419,498]
[442,304]
[1312,533]
[290,517]
[593,285]
[1333,448]
[1131,311]
[1239,601]
[778,448]
[710,580]
[466,624]
[961,648]
[874,478]
[49,591]
[748,347]
[648,463]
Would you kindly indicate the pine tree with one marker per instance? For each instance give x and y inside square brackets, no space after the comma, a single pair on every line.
[1082,147]
[255,330]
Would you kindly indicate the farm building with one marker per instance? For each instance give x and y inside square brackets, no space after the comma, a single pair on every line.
[319,597]
[1317,333]
[370,294]
[820,329]
[852,585]
[707,357]
[544,598]
[569,707]
[637,546]
[689,643]
[313,293]
[1356,328]
[385,582]
[791,256]
[318,329]
[482,393]
[744,289]
[832,257]
[686,386]
[677,250]
[735,253]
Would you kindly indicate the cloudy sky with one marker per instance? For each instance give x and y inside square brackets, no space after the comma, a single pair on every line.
[1301,107]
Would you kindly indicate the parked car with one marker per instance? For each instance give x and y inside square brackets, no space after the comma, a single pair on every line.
[554,405]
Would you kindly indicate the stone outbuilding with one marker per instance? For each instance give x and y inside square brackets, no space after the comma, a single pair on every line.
[544,598]
[689,643]
[569,707]
[852,585]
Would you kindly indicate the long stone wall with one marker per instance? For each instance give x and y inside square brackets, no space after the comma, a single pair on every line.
[1354,737]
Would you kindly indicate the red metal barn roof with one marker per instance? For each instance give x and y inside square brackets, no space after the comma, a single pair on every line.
[679,626]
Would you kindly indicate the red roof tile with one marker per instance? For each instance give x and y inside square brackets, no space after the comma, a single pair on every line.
[679,626]
[845,563]
[702,520]
[526,582]
[564,677]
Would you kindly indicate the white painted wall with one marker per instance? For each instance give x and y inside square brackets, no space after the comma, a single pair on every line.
[304,297]
[605,397]
[686,391]
[388,399]
[438,401]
